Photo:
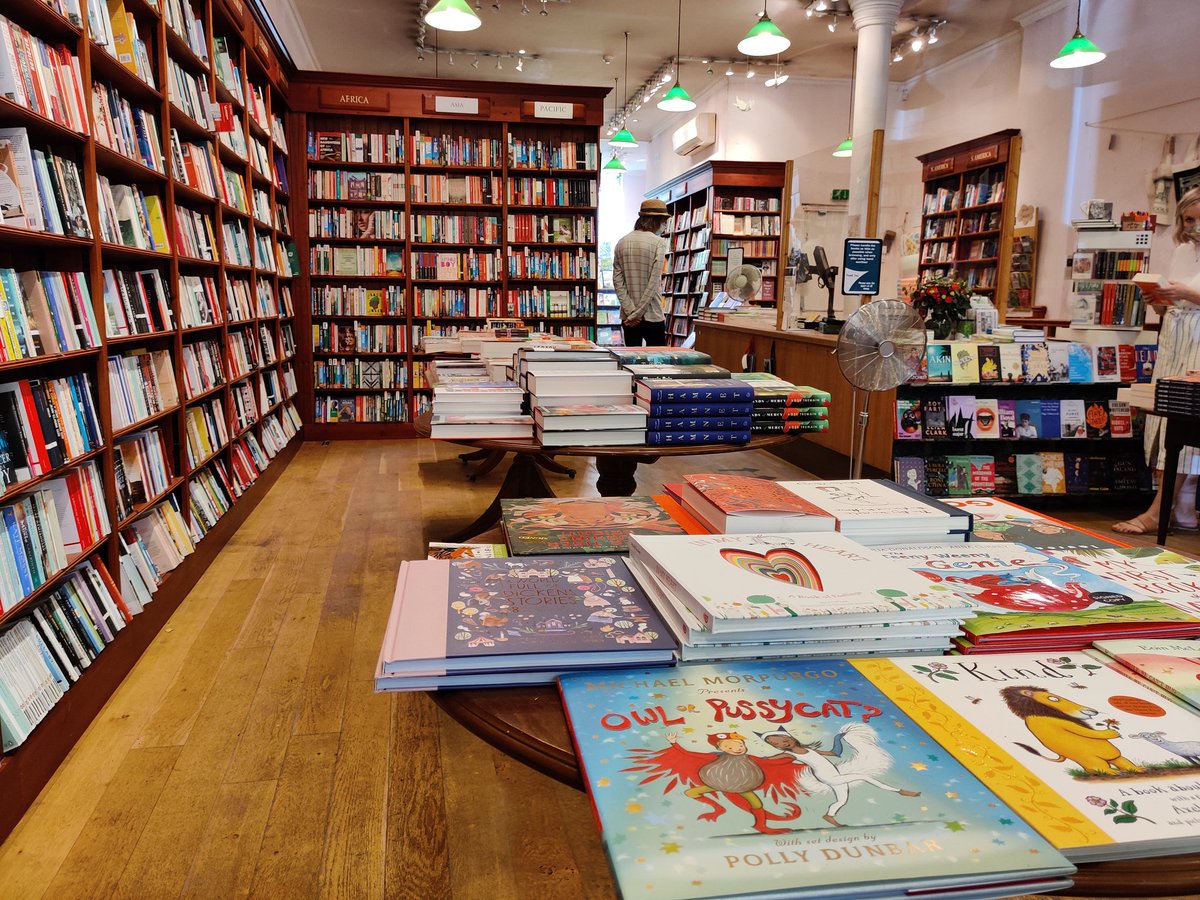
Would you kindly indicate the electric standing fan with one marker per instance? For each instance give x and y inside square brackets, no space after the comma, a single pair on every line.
[880,347]
[744,282]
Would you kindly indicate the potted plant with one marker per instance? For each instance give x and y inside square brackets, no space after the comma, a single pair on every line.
[943,301]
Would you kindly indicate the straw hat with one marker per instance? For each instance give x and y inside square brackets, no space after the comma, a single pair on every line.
[653,208]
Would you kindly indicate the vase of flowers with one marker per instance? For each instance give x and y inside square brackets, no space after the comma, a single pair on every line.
[943,301]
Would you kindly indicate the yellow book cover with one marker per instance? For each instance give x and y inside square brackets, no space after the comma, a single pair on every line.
[158,226]
[8,333]
[964,362]
[122,35]
[1083,753]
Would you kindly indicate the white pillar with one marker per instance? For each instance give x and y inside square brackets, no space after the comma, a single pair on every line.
[874,20]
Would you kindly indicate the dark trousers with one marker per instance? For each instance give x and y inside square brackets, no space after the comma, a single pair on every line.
[649,334]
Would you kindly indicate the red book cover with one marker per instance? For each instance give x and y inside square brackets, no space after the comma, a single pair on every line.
[35,429]
[1127,362]
[733,494]
[112,588]
[82,523]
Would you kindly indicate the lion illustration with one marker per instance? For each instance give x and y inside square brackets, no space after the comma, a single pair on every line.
[1062,727]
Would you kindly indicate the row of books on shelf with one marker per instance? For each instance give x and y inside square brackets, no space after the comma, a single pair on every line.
[460,228]
[549,153]
[329,184]
[453,189]
[964,417]
[752,249]
[975,193]
[41,77]
[42,191]
[388,224]
[344,300]
[349,146]
[1044,472]
[386,406]
[686,219]
[327,259]
[44,423]
[725,223]
[1035,362]
[1101,264]
[1107,303]
[44,313]
[747,204]
[360,373]
[141,384]
[124,127]
[189,94]
[355,337]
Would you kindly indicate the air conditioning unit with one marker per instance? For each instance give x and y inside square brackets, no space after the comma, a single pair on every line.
[696,135]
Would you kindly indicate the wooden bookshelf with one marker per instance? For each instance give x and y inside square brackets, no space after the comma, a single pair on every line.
[483,206]
[151,166]
[967,213]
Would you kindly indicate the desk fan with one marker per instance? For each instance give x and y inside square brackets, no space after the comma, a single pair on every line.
[880,347]
[744,282]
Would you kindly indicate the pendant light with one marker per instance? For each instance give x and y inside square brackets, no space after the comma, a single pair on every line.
[764,39]
[1078,51]
[677,99]
[624,137]
[614,164]
[452,15]
[846,147]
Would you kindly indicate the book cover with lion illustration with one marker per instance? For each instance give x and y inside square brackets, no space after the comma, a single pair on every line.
[1102,766]
[788,778]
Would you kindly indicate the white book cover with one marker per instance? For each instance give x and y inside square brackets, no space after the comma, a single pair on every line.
[1102,766]
[865,502]
[1150,571]
[757,581]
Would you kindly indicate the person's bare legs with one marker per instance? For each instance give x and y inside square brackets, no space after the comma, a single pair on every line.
[1183,509]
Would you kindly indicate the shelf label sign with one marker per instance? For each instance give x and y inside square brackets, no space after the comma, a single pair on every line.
[862,259]
[985,154]
[546,110]
[354,98]
[461,105]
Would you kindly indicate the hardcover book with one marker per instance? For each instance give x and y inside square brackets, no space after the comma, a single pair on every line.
[958,475]
[1026,598]
[1096,417]
[1120,419]
[739,504]
[700,791]
[1006,473]
[582,524]
[998,520]
[1084,754]
[1076,470]
[1151,571]
[1011,371]
[752,582]
[936,470]
[515,621]
[1174,665]
[870,505]
[443,550]
[675,370]
[693,391]
[677,356]
[1080,368]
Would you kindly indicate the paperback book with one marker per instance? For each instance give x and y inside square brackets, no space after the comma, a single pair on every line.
[797,779]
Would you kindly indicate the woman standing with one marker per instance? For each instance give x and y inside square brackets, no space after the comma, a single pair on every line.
[1178,354]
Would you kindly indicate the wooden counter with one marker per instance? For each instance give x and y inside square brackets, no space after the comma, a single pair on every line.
[806,357]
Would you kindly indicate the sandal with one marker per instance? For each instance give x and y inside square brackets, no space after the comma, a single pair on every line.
[1136,525]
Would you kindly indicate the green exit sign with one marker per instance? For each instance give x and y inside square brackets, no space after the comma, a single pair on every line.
[840,194]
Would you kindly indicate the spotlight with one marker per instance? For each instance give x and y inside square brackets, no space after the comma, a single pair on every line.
[822,6]
[521,52]
[524,8]
[832,25]
[475,65]
[933,38]
[729,71]
[543,12]
[520,65]
[899,57]
[708,71]
[808,13]
[917,43]
[749,72]
[420,56]
[450,61]
[498,66]
[666,77]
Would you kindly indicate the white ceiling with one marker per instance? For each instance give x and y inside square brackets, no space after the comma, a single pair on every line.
[569,44]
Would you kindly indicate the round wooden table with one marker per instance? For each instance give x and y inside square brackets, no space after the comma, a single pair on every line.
[528,724]
[617,466]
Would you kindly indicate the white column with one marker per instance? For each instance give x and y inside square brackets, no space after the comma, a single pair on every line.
[874,21]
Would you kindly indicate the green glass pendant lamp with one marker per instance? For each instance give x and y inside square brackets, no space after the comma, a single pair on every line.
[846,147]
[614,164]
[1078,51]
[677,99]
[452,15]
[624,137]
[764,39]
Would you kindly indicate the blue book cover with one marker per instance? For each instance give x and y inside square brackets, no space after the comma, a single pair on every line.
[696,410]
[716,423]
[785,778]
[699,390]
[1079,363]
[533,617]
[667,438]
[1145,355]
[1029,419]
[18,549]
[1051,426]
[937,362]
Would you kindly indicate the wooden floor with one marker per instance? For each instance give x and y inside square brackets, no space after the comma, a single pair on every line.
[247,754]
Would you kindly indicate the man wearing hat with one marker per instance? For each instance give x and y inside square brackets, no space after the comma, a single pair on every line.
[637,277]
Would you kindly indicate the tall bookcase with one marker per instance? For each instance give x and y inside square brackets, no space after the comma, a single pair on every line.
[967,213]
[716,207]
[159,293]
[1103,294]
[478,201]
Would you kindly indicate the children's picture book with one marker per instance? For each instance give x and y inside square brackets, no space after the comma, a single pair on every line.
[987,419]
[442,550]
[740,504]
[998,520]
[1026,598]
[1029,419]
[794,778]
[960,416]
[1174,665]
[1054,479]
[1151,571]
[964,358]
[1072,418]
[581,524]
[1103,767]
[937,357]
[933,417]
[908,419]
[1006,416]
[518,620]
[989,363]
[867,504]
[748,582]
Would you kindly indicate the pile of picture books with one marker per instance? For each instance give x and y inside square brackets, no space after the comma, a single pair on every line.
[993,519]
[479,410]
[695,411]
[984,777]
[775,595]
[488,622]
[877,512]
[547,525]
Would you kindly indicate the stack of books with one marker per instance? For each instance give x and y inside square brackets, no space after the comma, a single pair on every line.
[806,409]
[675,356]
[875,513]
[1178,395]
[523,621]
[770,397]
[700,411]
[580,398]
[650,371]
[456,371]
[479,410]
[739,504]
[774,595]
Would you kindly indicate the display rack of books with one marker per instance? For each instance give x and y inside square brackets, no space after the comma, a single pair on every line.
[427,213]
[120,353]
[717,209]
[609,331]
[1103,266]
[1028,419]
[967,213]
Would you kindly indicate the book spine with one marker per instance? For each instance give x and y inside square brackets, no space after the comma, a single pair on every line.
[664,438]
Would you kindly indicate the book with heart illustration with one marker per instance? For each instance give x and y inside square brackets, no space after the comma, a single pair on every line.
[751,582]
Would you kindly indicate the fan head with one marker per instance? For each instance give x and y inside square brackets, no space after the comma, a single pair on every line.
[882,345]
[744,282]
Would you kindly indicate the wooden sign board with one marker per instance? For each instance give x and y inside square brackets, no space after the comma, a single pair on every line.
[237,11]
[983,155]
[455,105]
[544,109]
[938,167]
[354,98]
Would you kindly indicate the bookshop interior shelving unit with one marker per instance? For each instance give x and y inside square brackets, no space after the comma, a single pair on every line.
[148,381]
[1103,295]
[429,206]
[967,213]
[717,207]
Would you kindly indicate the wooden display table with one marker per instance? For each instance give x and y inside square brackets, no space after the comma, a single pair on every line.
[617,467]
